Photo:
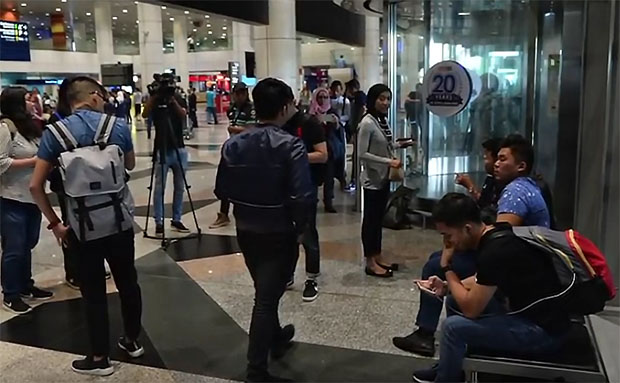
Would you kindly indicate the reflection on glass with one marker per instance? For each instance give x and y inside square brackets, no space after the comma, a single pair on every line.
[490,40]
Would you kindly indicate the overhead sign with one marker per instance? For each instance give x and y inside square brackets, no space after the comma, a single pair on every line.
[234,72]
[447,88]
[14,41]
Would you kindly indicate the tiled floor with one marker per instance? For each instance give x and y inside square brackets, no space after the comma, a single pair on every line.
[198,298]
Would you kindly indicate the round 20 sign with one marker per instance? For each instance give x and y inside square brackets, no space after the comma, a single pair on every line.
[447,88]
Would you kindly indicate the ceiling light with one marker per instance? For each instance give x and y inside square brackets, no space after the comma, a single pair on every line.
[63,1]
[213,42]
[42,24]
[197,44]
[224,28]
[135,2]
[172,19]
[114,18]
[88,14]
[195,30]
[163,7]
[137,21]
[210,32]
[125,11]
[58,10]
[47,14]
[133,42]
[208,25]
[186,12]
[352,48]
[24,4]
[31,12]
[464,13]
[207,16]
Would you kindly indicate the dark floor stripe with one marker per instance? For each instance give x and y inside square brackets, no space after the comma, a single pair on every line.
[204,246]
[142,210]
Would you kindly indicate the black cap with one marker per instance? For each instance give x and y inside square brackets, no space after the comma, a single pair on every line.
[239,86]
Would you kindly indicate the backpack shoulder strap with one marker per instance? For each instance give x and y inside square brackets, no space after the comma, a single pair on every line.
[10,126]
[104,129]
[63,135]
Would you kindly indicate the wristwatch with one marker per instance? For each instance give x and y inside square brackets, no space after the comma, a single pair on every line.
[446,268]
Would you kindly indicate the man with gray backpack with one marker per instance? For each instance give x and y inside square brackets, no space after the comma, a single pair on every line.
[93,151]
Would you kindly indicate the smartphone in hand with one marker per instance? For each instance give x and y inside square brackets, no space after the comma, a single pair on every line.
[425,286]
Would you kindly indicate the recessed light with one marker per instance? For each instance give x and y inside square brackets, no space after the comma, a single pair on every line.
[47,14]
[195,30]
[186,12]
[63,1]
[207,16]
[133,42]
[208,25]
[24,4]
[210,32]
[137,21]
[58,10]
[125,11]
[31,12]
[88,14]
[171,19]
[213,42]
[135,2]
[42,24]
[164,7]
[114,18]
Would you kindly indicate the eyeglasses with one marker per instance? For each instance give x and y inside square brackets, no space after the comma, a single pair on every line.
[103,97]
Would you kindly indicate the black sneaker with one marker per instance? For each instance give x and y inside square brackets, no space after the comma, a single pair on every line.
[134,349]
[311,291]
[88,366]
[36,293]
[16,306]
[419,342]
[178,226]
[159,229]
[426,376]
[72,283]
[282,341]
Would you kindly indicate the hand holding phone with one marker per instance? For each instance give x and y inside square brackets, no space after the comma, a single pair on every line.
[434,286]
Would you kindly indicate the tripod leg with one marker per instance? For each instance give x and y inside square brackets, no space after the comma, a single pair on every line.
[148,202]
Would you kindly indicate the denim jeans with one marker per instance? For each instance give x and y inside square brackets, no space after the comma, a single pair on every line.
[21,224]
[500,332]
[310,242]
[213,112]
[268,258]
[172,162]
[463,264]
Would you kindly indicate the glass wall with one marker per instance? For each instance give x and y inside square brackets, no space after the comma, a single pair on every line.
[490,39]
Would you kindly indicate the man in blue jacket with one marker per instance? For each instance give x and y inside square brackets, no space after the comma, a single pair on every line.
[265,173]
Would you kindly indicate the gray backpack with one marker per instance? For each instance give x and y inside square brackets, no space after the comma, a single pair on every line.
[99,203]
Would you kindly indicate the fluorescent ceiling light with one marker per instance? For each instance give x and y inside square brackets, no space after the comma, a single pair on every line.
[88,14]
[24,4]
[114,18]
[58,10]
[125,11]
[464,13]
[171,19]
[504,54]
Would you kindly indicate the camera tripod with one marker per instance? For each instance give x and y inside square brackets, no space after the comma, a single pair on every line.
[160,153]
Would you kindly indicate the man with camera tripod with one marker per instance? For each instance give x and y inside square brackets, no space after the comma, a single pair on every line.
[168,111]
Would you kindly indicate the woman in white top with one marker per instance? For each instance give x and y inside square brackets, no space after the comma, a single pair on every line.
[20,218]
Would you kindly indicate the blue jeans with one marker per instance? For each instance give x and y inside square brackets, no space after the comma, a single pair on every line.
[213,112]
[499,332]
[21,224]
[463,263]
[172,162]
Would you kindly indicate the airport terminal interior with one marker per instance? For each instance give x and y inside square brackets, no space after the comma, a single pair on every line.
[544,69]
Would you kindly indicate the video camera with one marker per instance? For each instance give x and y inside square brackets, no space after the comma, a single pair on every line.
[164,85]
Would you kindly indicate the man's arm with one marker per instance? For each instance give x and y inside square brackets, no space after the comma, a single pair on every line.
[510,218]
[472,301]
[37,189]
[130,160]
[319,155]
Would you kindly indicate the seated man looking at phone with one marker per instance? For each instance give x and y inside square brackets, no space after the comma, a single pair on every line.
[520,204]
[507,265]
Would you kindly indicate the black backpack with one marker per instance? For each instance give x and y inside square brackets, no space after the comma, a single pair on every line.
[397,211]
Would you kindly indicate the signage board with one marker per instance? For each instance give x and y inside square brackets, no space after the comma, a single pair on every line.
[447,88]
[14,41]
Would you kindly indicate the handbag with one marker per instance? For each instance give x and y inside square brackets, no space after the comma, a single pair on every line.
[396,174]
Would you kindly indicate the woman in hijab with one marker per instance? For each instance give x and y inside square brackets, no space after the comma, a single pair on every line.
[376,154]
[320,107]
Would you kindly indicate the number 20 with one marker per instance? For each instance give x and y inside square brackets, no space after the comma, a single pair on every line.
[444,84]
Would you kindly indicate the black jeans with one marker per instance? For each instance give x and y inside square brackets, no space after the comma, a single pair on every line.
[375,202]
[268,257]
[193,118]
[310,242]
[224,206]
[118,250]
[328,186]
[68,251]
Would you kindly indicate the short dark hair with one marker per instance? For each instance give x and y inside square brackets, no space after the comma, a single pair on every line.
[335,85]
[353,84]
[80,87]
[270,97]
[492,145]
[521,150]
[456,210]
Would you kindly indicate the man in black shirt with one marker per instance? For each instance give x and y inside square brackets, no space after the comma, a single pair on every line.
[193,107]
[507,266]
[168,117]
[310,130]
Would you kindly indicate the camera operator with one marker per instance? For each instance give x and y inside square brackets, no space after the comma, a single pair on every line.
[168,111]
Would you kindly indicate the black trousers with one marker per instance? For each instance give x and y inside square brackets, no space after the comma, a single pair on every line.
[193,118]
[375,202]
[138,112]
[118,250]
[268,258]
[310,242]
[68,251]
[224,206]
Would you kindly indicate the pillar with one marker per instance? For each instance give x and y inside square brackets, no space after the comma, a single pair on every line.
[242,42]
[151,42]
[103,30]
[276,44]
[371,70]
[180,51]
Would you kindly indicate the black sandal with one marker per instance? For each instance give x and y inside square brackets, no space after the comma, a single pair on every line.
[393,266]
[388,273]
